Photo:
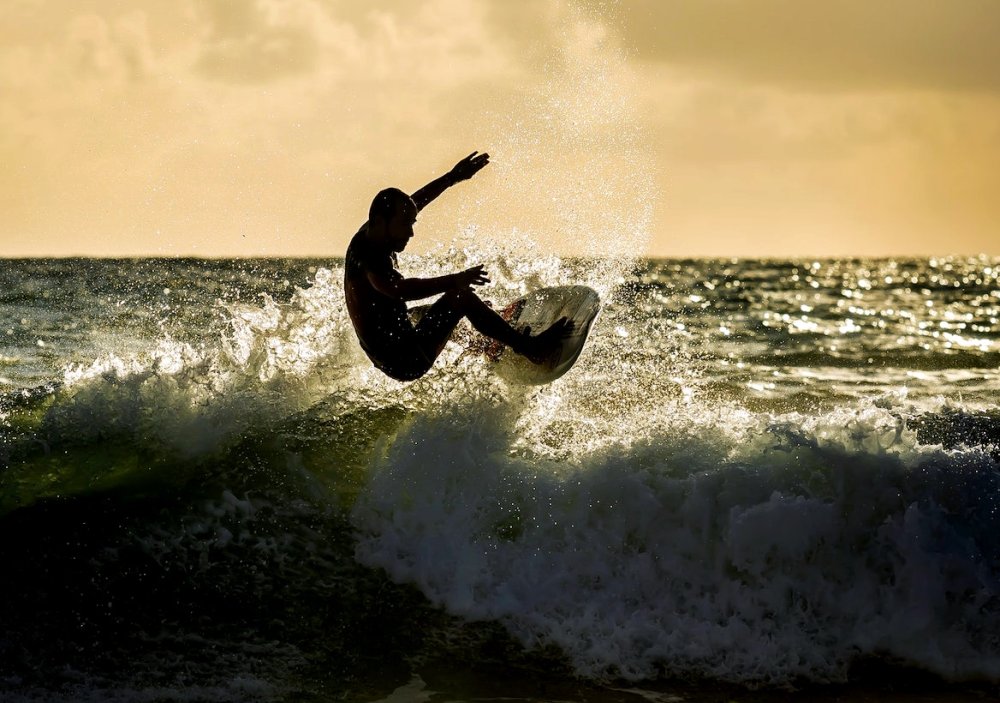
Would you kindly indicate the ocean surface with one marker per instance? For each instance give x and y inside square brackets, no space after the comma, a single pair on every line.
[763,480]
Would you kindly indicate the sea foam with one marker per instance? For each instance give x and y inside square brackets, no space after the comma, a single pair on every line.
[734,546]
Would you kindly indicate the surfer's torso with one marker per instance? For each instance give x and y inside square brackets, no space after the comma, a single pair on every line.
[382,325]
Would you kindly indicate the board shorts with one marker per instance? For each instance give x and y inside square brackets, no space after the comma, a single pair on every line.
[414,352]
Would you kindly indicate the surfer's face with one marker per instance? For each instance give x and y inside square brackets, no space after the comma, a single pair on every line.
[399,228]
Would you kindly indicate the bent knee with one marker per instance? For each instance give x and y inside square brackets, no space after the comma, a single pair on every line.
[460,297]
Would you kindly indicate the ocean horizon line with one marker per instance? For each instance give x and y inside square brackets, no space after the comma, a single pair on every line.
[645,257]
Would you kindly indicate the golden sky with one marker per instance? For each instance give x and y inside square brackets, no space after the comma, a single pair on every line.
[661,127]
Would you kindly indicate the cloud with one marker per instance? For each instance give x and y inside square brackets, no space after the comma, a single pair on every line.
[844,45]
[204,121]
[435,42]
[255,41]
[263,126]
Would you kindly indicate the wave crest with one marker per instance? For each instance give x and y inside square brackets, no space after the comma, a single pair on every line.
[742,551]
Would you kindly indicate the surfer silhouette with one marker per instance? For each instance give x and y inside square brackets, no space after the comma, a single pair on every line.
[377,293]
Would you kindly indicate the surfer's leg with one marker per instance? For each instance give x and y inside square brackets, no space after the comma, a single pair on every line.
[438,324]
[405,360]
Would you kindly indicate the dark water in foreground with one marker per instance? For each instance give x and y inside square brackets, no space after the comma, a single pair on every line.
[761,477]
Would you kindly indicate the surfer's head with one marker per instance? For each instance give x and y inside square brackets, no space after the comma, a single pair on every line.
[391,217]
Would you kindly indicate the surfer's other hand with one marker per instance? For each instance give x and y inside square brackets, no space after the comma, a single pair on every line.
[469,166]
[474,276]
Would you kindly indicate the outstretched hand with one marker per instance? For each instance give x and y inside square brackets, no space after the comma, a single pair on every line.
[474,276]
[469,166]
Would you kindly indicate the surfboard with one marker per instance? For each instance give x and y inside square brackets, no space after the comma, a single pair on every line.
[538,310]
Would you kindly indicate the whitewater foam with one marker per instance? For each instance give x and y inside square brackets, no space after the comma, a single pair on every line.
[758,550]
[266,362]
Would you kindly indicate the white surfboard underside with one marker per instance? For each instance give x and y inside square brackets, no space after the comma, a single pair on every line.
[543,307]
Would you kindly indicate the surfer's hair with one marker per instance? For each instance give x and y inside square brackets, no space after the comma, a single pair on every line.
[386,203]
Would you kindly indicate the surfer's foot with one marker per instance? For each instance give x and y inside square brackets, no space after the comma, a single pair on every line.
[540,347]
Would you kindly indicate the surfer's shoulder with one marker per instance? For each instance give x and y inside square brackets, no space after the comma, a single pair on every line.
[360,250]
[358,241]
[363,254]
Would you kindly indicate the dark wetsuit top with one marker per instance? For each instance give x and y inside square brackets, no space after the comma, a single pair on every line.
[382,324]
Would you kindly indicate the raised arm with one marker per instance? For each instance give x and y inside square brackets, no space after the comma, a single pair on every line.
[463,170]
